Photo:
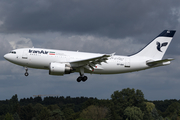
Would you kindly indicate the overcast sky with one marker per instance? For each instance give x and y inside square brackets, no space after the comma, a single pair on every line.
[100,26]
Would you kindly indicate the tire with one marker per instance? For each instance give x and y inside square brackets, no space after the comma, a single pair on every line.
[79,79]
[84,78]
[26,73]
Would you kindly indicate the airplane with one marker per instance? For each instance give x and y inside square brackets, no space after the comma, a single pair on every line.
[60,62]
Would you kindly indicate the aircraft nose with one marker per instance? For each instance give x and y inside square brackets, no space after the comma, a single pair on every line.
[6,56]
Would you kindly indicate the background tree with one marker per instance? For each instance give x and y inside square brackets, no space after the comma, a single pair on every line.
[44,114]
[57,114]
[173,110]
[26,112]
[68,113]
[155,114]
[13,104]
[53,107]
[163,105]
[94,113]
[16,117]
[8,117]
[133,113]
[67,108]
[4,108]
[123,99]
[149,106]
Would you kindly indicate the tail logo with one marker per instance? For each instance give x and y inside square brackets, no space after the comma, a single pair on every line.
[159,45]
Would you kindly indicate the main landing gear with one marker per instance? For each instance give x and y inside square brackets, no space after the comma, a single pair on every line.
[26,73]
[82,77]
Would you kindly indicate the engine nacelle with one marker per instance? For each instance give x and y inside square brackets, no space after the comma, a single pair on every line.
[59,68]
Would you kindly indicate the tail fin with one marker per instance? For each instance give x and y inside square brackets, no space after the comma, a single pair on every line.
[157,48]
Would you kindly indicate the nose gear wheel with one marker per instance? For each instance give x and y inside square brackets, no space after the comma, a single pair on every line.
[26,73]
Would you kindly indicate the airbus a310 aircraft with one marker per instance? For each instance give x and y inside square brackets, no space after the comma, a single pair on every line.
[60,62]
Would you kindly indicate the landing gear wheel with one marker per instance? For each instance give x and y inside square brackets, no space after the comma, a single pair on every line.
[26,73]
[79,79]
[84,78]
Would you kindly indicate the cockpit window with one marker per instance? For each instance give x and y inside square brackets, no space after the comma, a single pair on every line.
[13,52]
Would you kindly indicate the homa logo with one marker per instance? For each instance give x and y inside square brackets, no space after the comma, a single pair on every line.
[159,45]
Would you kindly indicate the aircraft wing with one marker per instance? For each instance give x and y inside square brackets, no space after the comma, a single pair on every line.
[91,62]
[159,62]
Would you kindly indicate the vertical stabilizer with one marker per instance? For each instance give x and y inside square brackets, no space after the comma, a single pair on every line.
[157,48]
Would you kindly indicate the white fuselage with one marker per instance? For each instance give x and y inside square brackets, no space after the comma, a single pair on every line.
[60,62]
[38,58]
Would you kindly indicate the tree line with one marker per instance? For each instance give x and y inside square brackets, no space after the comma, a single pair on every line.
[127,104]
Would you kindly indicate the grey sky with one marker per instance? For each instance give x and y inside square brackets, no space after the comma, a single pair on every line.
[101,26]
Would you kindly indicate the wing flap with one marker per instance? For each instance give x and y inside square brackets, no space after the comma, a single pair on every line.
[95,59]
[91,62]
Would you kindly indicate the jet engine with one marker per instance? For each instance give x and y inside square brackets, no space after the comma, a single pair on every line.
[59,68]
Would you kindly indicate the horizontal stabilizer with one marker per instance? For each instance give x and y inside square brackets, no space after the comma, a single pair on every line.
[159,62]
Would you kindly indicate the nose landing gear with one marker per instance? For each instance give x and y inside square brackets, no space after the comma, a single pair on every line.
[26,73]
